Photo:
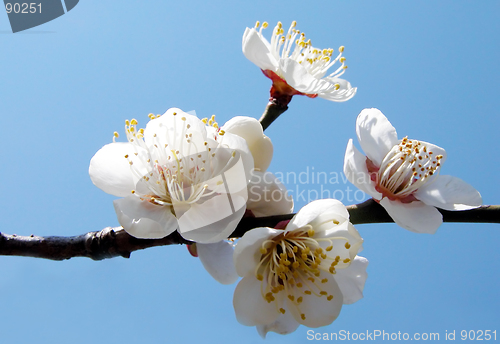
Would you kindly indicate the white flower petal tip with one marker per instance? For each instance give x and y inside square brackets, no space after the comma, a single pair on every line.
[173,174]
[295,66]
[217,259]
[267,196]
[292,276]
[403,175]
[259,144]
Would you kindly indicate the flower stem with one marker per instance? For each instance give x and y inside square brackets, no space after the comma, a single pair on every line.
[273,110]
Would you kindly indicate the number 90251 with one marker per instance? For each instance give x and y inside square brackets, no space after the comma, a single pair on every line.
[32,7]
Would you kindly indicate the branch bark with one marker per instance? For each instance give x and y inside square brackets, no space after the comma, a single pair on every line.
[115,242]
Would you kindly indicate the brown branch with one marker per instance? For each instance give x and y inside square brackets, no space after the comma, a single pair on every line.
[114,242]
[107,243]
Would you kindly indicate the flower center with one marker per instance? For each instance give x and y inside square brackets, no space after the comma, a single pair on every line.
[293,45]
[293,263]
[404,169]
[173,177]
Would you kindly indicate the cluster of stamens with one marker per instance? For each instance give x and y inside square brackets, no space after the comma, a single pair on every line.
[294,263]
[316,61]
[172,177]
[405,168]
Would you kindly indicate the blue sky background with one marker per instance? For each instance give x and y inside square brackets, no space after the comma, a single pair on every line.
[430,66]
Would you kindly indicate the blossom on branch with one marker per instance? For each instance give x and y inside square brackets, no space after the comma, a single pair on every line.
[295,66]
[301,274]
[403,175]
[178,173]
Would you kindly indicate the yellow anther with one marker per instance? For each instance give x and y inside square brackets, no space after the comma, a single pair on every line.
[282,311]
[329,248]
[299,285]
[294,23]
[330,297]
[299,299]
[347,260]
[323,292]
[311,279]
[204,120]
[310,232]
[324,280]
[115,134]
[337,86]
[257,24]
[303,316]
[307,292]
[341,49]
[347,245]
[132,191]
[265,25]
[262,249]
[260,277]
[291,297]
[221,132]
[133,121]
[127,122]
[342,59]
[345,67]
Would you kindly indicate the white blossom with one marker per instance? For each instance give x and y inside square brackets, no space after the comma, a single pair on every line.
[403,175]
[178,173]
[295,66]
[301,274]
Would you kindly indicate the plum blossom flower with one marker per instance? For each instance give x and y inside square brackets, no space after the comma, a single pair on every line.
[266,196]
[295,66]
[403,175]
[301,274]
[178,173]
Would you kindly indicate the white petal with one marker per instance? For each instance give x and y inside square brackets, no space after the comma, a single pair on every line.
[376,134]
[327,209]
[211,221]
[246,253]
[217,259]
[250,307]
[342,94]
[356,171]
[110,171]
[267,196]
[168,132]
[285,324]
[351,280]
[257,49]
[319,311]
[236,143]
[300,79]
[450,193]
[416,216]
[142,219]
[259,144]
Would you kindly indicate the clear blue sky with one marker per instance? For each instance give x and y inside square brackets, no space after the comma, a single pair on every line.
[430,66]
